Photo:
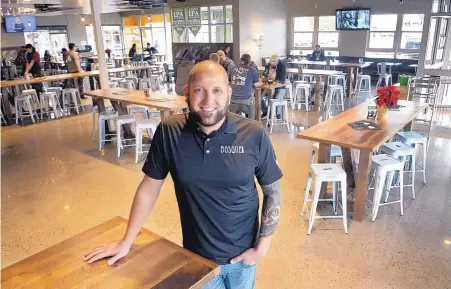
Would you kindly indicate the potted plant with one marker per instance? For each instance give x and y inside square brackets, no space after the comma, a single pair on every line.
[387,97]
[108,52]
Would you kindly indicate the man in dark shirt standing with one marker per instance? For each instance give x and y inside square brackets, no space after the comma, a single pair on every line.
[242,79]
[219,215]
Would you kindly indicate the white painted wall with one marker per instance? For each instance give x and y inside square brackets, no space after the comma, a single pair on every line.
[11,39]
[76,28]
[266,17]
[352,43]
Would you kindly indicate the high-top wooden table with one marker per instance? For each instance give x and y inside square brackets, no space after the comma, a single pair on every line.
[59,77]
[319,74]
[167,104]
[258,88]
[336,131]
[153,262]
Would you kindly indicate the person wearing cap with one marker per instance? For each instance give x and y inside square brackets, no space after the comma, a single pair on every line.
[242,78]
[277,69]
[226,62]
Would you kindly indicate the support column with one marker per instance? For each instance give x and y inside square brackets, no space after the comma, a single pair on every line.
[97,24]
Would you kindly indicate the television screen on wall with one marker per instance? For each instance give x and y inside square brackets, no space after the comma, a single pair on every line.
[353,19]
[20,23]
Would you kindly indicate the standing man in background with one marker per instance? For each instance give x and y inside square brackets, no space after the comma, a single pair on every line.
[226,62]
[74,66]
[242,79]
[33,67]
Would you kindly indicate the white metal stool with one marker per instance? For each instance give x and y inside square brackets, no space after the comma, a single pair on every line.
[273,104]
[365,81]
[325,173]
[129,84]
[383,164]
[413,139]
[138,110]
[134,78]
[307,77]
[335,152]
[155,82]
[399,150]
[289,93]
[144,83]
[49,103]
[304,89]
[103,117]
[20,102]
[334,97]
[58,90]
[387,78]
[339,79]
[113,84]
[72,95]
[123,119]
[151,127]
[33,93]
[95,111]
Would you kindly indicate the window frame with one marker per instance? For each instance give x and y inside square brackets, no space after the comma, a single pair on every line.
[385,50]
[210,25]
[315,35]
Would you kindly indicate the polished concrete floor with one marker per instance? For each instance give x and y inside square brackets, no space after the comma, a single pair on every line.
[55,184]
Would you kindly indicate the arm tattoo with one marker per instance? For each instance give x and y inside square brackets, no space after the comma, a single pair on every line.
[270,209]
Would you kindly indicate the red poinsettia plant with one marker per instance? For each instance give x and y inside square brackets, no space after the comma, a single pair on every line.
[387,95]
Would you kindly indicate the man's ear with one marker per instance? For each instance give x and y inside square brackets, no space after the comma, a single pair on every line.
[186,90]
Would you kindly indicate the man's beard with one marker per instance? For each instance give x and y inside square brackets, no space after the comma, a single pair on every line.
[214,119]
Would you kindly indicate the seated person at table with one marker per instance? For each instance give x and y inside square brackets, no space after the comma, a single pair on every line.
[242,77]
[132,51]
[152,50]
[318,54]
[21,59]
[277,70]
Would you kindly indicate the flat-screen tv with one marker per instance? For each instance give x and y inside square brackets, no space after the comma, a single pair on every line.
[20,23]
[353,19]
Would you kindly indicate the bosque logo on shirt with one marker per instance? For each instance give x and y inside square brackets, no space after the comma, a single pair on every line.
[232,149]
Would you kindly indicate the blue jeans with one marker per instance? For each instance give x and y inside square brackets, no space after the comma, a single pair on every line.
[234,276]
[279,94]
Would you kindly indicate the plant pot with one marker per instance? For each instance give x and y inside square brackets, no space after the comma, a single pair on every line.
[382,112]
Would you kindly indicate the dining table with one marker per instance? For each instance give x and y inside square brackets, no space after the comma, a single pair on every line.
[165,103]
[320,75]
[152,263]
[259,88]
[16,83]
[337,131]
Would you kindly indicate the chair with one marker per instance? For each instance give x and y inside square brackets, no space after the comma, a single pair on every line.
[20,102]
[334,97]
[383,164]
[103,117]
[49,103]
[362,79]
[303,88]
[401,151]
[123,119]
[56,89]
[383,75]
[144,83]
[155,80]
[273,104]
[129,84]
[289,93]
[339,79]
[34,95]
[151,127]
[72,99]
[113,84]
[325,173]
[414,139]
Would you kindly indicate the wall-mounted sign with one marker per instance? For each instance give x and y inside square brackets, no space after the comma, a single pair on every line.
[194,22]
[178,20]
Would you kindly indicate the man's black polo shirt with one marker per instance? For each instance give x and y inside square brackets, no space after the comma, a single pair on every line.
[214,181]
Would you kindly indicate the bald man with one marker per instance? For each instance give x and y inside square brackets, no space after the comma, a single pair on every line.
[213,156]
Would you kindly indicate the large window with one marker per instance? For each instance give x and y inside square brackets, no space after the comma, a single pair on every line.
[311,31]
[303,28]
[327,35]
[390,38]
[111,35]
[215,25]
[383,29]
[52,38]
